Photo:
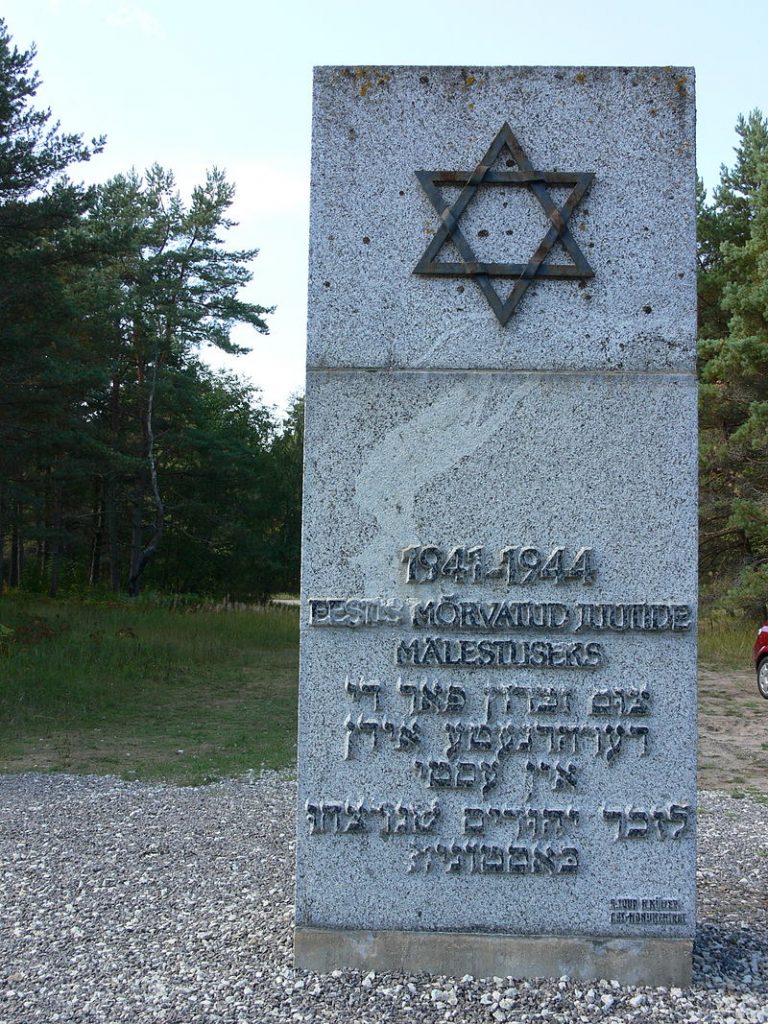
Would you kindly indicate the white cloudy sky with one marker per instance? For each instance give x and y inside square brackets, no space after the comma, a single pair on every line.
[190,85]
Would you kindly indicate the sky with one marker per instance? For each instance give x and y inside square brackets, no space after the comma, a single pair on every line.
[227,83]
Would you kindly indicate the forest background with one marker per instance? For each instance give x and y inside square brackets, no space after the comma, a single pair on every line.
[123,457]
[126,463]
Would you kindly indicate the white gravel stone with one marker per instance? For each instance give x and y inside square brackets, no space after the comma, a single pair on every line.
[205,877]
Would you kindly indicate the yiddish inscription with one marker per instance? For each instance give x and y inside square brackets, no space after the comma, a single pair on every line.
[470,746]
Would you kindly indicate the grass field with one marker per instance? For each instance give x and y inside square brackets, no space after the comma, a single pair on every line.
[140,691]
[726,641]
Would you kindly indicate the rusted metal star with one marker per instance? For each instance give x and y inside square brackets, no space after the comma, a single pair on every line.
[525,177]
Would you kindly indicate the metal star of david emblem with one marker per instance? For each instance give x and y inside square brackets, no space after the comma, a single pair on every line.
[525,177]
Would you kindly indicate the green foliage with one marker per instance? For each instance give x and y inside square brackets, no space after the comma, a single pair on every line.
[726,223]
[230,478]
[43,367]
[121,456]
[733,286]
[286,500]
[165,286]
[171,286]
[33,152]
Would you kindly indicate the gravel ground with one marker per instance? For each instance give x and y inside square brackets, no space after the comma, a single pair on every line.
[131,902]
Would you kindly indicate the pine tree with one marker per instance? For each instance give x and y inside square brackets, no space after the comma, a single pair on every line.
[167,286]
[734,388]
[118,449]
[40,354]
[727,221]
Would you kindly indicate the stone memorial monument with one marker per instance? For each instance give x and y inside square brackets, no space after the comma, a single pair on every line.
[497,741]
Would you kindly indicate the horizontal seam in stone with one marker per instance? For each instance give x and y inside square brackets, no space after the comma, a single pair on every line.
[502,370]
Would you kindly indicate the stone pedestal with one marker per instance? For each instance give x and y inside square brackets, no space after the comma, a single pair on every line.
[498,669]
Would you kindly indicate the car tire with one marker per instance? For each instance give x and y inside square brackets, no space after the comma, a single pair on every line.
[762,677]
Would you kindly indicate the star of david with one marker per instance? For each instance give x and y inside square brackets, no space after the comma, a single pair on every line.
[537,182]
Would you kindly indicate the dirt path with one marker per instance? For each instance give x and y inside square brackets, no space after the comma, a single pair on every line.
[733,733]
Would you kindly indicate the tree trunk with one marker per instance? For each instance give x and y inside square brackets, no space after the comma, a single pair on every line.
[53,586]
[137,539]
[94,571]
[110,492]
[111,517]
[17,549]
[44,519]
[140,555]
[2,538]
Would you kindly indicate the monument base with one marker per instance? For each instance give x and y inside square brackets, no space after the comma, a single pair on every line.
[629,961]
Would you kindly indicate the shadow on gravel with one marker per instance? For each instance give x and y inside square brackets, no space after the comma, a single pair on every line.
[725,957]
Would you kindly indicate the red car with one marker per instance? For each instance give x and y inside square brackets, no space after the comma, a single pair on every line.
[760,656]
